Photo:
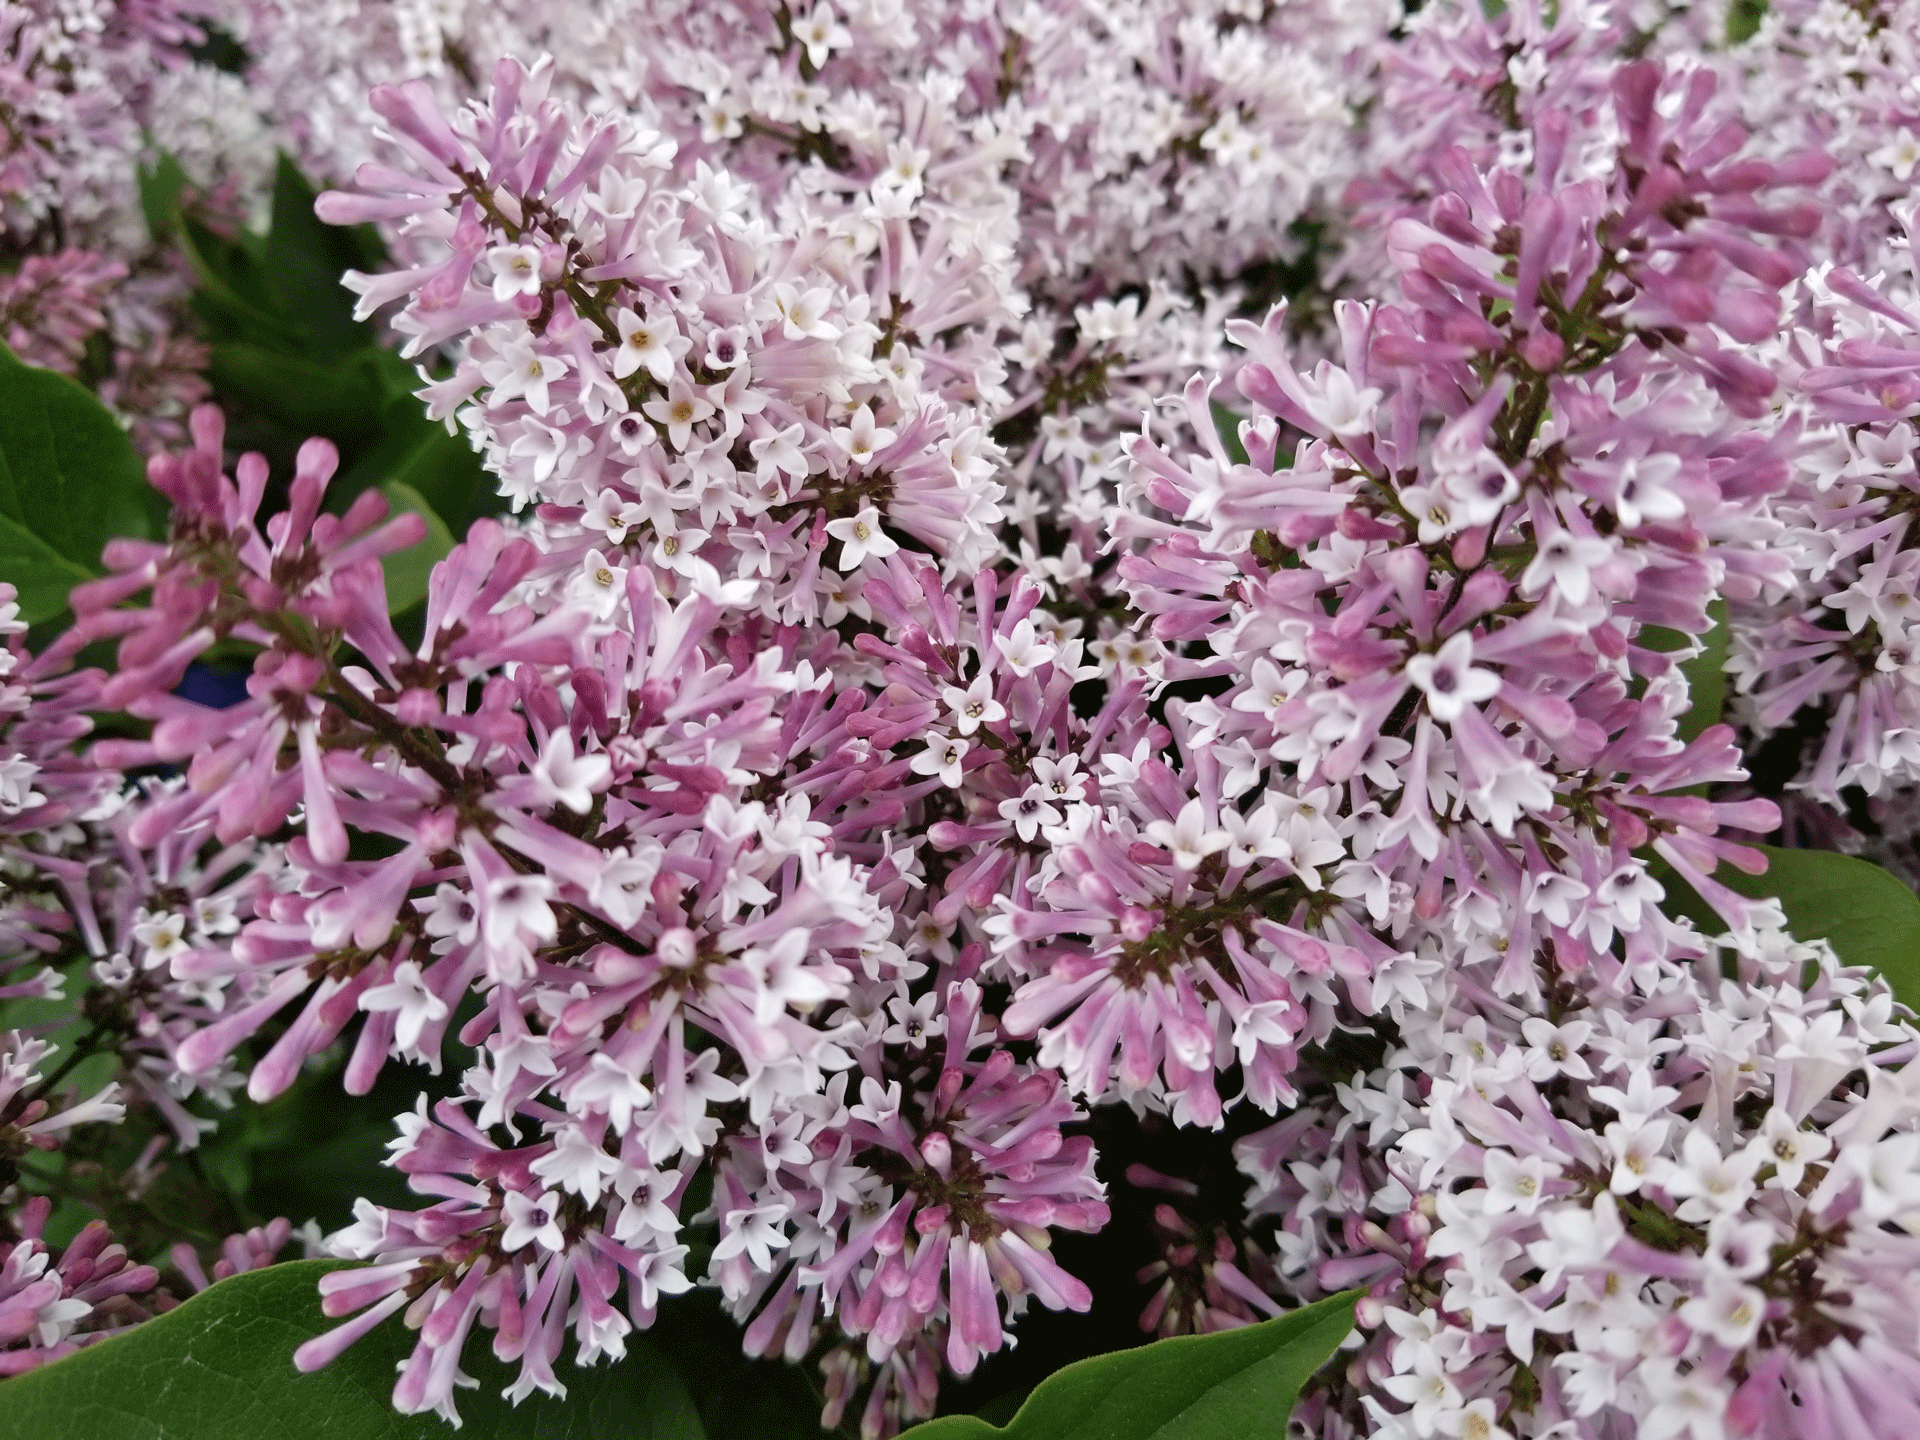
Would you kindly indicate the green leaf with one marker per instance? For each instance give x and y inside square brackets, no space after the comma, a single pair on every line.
[290,361]
[305,260]
[1707,677]
[1228,424]
[1743,19]
[1234,1385]
[1706,672]
[160,189]
[341,400]
[740,1397]
[409,570]
[219,49]
[40,573]
[220,1367]
[419,452]
[1865,913]
[69,482]
[234,298]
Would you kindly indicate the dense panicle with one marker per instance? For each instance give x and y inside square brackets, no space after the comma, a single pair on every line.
[1132,571]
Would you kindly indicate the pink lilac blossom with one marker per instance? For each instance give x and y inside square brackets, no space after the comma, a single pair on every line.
[92,92]
[896,732]
[1831,654]
[1121,175]
[140,933]
[53,1305]
[80,313]
[52,303]
[609,871]
[1107,144]
[1840,77]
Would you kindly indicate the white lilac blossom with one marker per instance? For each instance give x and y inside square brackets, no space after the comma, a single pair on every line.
[84,84]
[1686,1204]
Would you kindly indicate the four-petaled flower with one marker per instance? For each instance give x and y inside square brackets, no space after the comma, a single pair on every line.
[1449,680]
[861,535]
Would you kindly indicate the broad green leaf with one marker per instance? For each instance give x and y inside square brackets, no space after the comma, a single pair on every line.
[69,480]
[420,453]
[40,573]
[1865,913]
[449,475]
[1706,672]
[304,262]
[220,1367]
[219,48]
[409,570]
[739,1396]
[338,399]
[234,298]
[1235,1385]
[290,361]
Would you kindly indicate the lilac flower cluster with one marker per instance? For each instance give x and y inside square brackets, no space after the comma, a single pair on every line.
[1680,1200]
[1095,163]
[898,731]
[142,930]
[94,92]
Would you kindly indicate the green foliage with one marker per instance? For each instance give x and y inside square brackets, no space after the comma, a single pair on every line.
[220,1368]
[1228,424]
[1707,677]
[1235,1385]
[41,574]
[1867,915]
[1743,19]
[305,260]
[408,571]
[739,1397]
[1706,672]
[69,482]
[219,49]
[161,187]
